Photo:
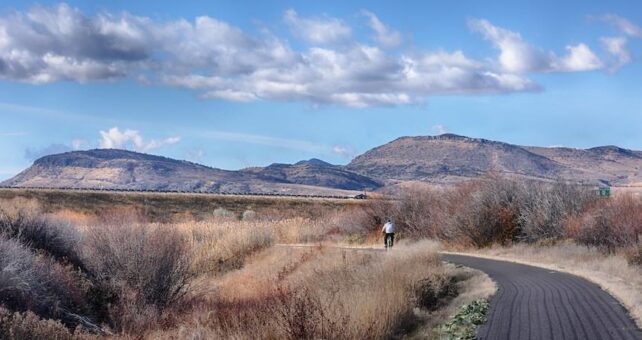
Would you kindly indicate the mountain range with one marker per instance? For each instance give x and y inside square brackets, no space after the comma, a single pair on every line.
[443,160]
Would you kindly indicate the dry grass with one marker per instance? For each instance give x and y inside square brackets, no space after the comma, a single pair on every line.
[611,272]
[169,207]
[318,292]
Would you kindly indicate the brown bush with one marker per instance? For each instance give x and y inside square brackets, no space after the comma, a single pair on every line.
[144,268]
[27,326]
[615,223]
[38,284]
[58,240]
[547,209]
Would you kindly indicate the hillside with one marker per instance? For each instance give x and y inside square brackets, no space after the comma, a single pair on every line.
[451,158]
[313,172]
[120,169]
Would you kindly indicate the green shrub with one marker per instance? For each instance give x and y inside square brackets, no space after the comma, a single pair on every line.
[464,324]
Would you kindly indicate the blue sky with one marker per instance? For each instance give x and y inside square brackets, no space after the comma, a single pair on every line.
[241,84]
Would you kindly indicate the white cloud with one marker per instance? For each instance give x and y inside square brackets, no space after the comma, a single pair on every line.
[579,58]
[617,49]
[515,54]
[223,62]
[343,151]
[624,25]
[518,56]
[324,30]
[47,44]
[383,34]
[439,129]
[114,138]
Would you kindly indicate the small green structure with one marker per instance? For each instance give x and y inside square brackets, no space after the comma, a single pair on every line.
[603,191]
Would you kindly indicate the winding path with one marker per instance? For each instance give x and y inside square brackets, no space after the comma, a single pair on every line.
[537,303]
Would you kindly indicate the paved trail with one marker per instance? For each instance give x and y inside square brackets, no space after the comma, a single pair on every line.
[537,303]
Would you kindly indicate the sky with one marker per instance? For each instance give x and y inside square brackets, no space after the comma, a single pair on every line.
[239,84]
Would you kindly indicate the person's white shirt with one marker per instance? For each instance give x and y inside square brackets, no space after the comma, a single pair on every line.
[389,228]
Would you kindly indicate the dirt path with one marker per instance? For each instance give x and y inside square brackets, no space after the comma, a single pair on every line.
[537,303]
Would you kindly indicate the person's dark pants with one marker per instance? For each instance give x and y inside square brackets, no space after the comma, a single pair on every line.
[390,236]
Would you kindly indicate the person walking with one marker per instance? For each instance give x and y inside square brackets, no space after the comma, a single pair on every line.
[389,233]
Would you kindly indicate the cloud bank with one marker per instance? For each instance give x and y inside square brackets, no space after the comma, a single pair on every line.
[114,138]
[220,61]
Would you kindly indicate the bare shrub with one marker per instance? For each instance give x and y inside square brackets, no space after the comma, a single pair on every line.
[547,209]
[487,213]
[28,282]
[223,213]
[615,223]
[28,326]
[248,215]
[145,268]
[57,239]
[421,212]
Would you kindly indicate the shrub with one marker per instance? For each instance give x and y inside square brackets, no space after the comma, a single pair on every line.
[487,214]
[547,209]
[28,282]
[57,240]
[142,269]
[465,322]
[27,326]
[616,222]
[223,213]
[248,215]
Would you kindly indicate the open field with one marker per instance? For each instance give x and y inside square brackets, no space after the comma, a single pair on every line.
[167,206]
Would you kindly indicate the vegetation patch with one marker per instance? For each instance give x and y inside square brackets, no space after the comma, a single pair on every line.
[464,324]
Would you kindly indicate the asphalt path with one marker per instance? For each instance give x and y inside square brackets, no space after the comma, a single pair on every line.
[537,303]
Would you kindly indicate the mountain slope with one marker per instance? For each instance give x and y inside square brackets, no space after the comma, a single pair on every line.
[314,172]
[120,169]
[606,164]
[450,157]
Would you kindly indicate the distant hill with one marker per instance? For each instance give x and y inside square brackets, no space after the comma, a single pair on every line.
[451,158]
[313,172]
[120,169]
[406,161]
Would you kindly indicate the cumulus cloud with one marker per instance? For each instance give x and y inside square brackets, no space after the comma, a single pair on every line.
[223,62]
[114,138]
[384,35]
[518,56]
[623,24]
[579,58]
[321,30]
[48,44]
[617,48]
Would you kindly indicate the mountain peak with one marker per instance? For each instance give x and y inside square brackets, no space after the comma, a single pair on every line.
[314,161]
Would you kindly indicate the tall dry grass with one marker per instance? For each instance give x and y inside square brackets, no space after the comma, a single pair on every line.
[317,292]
